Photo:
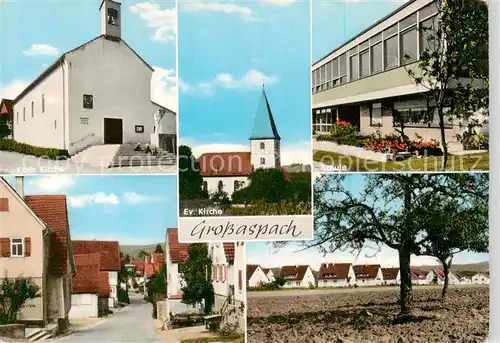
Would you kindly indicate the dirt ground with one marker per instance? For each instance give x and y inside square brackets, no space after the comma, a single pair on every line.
[367,317]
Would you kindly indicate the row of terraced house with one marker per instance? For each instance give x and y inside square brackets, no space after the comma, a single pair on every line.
[76,278]
[347,275]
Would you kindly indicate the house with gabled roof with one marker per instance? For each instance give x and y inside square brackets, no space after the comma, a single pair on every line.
[98,93]
[368,274]
[299,276]
[35,242]
[256,275]
[482,278]
[110,263]
[437,275]
[91,288]
[336,275]
[391,276]
[228,171]
[269,273]
[418,276]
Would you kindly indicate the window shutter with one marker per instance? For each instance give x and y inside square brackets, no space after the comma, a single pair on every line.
[27,246]
[225,273]
[4,205]
[4,247]
[240,280]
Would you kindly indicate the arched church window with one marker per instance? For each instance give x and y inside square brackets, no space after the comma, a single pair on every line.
[262,160]
[205,186]
[220,186]
[236,185]
[262,145]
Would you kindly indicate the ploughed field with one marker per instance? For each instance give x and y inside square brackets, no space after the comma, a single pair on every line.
[363,316]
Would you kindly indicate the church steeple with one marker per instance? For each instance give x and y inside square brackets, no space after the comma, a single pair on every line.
[110,19]
[265,139]
[264,126]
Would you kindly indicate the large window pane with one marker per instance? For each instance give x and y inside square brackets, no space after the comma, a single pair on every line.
[428,37]
[409,46]
[376,58]
[364,63]
[376,114]
[391,52]
[322,74]
[429,10]
[391,30]
[314,78]
[335,67]
[329,71]
[342,65]
[353,65]
[408,21]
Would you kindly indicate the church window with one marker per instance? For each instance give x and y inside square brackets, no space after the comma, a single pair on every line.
[32,109]
[88,101]
[262,160]
[55,124]
[17,118]
[236,185]
[262,146]
[205,186]
[220,186]
[43,103]
[24,113]
[112,16]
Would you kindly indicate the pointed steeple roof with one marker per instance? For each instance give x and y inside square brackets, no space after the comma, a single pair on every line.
[264,126]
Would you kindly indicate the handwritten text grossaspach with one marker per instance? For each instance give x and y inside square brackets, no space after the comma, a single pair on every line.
[245,228]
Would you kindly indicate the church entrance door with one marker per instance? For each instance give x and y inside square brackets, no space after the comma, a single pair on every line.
[113,131]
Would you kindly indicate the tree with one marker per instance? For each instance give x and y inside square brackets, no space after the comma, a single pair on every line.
[390,210]
[159,249]
[268,185]
[454,57]
[280,281]
[447,236]
[157,288]
[197,272]
[190,180]
[13,294]
[5,130]
[142,254]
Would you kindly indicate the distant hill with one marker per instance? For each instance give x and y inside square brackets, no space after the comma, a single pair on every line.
[297,167]
[133,250]
[471,267]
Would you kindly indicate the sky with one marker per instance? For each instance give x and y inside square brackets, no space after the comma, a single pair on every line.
[335,22]
[35,33]
[265,255]
[226,51]
[135,210]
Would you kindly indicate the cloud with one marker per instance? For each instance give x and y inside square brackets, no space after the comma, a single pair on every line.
[13,89]
[279,3]
[252,79]
[41,50]
[135,198]
[299,152]
[95,198]
[164,88]
[164,21]
[220,7]
[51,184]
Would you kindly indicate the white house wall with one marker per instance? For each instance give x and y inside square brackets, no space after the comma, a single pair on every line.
[45,129]
[218,256]
[258,277]
[333,283]
[120,84]
[175,281]
[84,306]
[480,279]
[270,153]
[113,287]
[308,279]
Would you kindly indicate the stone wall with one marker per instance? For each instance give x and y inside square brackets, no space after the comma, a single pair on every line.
[12,331]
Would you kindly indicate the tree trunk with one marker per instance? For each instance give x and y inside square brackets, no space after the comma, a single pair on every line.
[406,286]
[443,137]
[446,270]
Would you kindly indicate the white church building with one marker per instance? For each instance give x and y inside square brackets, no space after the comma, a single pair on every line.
[228,171]
[96,94]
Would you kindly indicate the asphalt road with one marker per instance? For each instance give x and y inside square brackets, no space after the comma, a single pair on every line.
[306,292]
[133,323]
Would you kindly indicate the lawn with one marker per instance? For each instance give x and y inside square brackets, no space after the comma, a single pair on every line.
[236,338]
[336,162]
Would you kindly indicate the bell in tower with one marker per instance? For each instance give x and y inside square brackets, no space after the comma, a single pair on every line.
[110,19]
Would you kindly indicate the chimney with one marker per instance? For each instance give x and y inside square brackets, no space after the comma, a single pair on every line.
[20,185]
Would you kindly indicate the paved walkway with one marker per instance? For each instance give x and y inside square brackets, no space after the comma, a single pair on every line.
[133,323]
[16,163]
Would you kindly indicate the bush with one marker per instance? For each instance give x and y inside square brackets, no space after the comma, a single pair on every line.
[272,209]
[343,133]
[50,153]
[264,287]
[395,143]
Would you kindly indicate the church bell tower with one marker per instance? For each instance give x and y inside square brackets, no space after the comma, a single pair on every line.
[265,140]
[111,19]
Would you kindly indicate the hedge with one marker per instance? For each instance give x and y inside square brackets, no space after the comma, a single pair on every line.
[50,153]
[261,208]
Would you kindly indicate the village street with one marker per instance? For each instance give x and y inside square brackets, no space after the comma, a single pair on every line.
[130,324]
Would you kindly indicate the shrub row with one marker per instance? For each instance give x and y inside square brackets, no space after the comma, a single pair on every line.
[271,209]
[11,145]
